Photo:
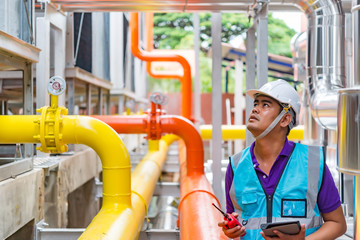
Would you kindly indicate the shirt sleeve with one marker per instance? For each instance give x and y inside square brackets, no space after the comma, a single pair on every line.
[328,198]
[229,176]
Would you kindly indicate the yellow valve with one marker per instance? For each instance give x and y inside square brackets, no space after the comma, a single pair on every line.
[50,125]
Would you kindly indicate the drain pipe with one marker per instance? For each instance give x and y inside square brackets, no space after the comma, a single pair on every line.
[325,58]
[186,101]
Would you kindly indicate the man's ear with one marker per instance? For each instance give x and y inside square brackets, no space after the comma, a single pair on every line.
[286,120]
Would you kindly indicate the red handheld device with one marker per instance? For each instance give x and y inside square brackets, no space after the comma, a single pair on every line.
[232,221]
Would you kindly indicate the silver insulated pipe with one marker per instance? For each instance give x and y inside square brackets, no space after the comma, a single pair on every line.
[356,41]
[325,58]
[348,154]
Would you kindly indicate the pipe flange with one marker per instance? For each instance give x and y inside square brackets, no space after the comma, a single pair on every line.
[50,128]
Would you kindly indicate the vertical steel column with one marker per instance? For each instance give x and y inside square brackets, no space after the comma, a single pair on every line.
[262,46]
[238,98]
[28,102]
[98,56]
[117,49]
[58,44]
[348,50]
[88,99]
[121,104]
[250,76]
[197,83]
[43,66]
[357,207]
[107,107]
[216,104]
[69,54]
[70,87]
[100,101]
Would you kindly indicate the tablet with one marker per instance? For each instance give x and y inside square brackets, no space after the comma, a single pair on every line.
[290,228]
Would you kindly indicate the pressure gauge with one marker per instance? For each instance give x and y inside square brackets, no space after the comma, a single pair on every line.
[159,98]
[56,85]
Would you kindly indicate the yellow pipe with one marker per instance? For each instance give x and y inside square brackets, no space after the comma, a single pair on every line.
[116,216]
[145,176]
[233,132]
[18,129]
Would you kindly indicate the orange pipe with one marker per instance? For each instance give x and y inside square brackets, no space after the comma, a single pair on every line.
[149,26]
[195,207]
[148,56]
[194,145]
[125,124]
[177,125]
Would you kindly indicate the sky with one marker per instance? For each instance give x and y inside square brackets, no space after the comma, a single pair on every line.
[292,19]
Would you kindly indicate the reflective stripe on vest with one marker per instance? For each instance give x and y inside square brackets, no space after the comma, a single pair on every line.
[246,190]
[254,223]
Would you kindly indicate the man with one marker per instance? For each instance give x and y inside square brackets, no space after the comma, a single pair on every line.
[276,180]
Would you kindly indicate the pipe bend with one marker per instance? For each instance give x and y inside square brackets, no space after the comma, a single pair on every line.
[323,107]
[111,150]
[325,58]
[149,56]
[186,130]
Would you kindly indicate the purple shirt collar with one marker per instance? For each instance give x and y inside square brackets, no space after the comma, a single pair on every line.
[285,152]
[270,181]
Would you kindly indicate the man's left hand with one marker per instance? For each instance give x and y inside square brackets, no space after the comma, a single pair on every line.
[283,236]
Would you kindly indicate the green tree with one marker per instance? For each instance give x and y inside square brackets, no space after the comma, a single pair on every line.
[175,31]
[170,29]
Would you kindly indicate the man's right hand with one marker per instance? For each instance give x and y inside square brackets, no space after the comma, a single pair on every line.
[232,232]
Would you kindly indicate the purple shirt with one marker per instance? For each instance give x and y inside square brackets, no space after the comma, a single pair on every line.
[328,197]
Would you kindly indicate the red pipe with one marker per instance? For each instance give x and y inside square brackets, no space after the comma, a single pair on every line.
[148,56]
[195,209]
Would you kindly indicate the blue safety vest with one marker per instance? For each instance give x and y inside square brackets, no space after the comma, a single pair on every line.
[294,197]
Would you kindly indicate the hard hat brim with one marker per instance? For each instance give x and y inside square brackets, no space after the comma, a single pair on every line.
[253,92]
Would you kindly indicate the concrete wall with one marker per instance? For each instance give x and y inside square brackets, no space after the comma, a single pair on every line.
[62,195]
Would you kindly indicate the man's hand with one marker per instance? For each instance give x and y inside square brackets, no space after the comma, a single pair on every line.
[282,236]
[232,232]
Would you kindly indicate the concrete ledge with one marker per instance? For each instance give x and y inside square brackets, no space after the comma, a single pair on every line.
[21,200]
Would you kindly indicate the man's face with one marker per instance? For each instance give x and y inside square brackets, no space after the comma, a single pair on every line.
[264,112]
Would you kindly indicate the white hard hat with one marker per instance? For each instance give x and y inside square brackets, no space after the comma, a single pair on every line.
[282,92]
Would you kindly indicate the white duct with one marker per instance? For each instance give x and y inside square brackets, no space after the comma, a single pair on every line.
[325,58]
